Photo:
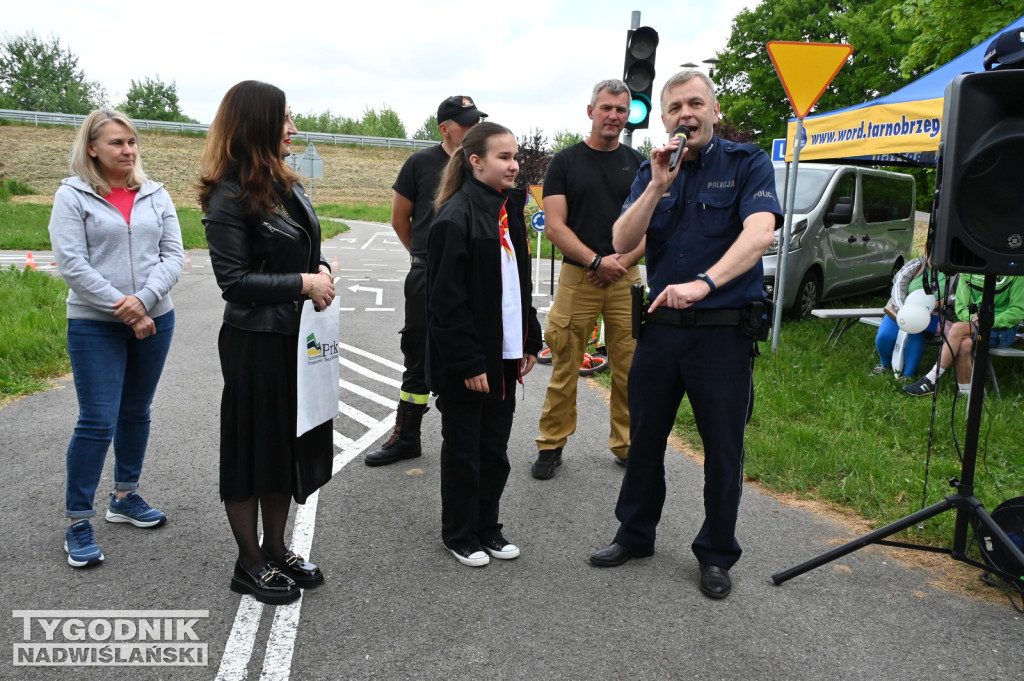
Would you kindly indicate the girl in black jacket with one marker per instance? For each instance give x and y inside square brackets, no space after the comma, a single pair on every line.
[483,335]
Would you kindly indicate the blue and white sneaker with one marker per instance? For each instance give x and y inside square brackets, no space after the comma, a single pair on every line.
[132,509]
[81,545]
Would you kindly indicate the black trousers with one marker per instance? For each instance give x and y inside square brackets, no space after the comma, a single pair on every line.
[713,367]
[414,333]
[474,463]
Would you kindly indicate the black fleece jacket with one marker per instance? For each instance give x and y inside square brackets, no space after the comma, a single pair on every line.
[464,329]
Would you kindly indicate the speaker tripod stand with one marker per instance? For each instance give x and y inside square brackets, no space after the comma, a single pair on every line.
[969,510]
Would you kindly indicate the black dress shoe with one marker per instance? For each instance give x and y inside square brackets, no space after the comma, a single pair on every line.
[714,581]
[301,571]
[615,555]
[270,586]
[547,461]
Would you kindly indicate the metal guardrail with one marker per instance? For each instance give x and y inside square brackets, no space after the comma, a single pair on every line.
[43,118]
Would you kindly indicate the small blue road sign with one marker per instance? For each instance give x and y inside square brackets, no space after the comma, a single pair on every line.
[538,221]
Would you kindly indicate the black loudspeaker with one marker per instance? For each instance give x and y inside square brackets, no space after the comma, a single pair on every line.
[979,223]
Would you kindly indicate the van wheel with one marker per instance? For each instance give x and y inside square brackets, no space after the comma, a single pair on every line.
[896,267]
[807,296]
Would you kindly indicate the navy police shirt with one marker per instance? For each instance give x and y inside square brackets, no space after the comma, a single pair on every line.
[701,215]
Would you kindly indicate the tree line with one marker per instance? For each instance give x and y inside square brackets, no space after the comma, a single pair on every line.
[895,42]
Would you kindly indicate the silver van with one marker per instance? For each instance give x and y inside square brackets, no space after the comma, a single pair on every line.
[852,231]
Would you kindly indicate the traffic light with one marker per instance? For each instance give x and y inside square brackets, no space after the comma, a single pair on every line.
[638,73]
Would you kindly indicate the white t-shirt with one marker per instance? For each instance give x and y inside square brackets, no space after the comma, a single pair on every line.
[511,302]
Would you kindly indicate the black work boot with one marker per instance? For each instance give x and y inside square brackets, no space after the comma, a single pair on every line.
[404,442]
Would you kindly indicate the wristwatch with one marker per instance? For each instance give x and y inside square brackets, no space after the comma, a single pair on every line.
[707,280]
[595,263]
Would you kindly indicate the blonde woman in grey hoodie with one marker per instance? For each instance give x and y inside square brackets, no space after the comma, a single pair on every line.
[118,246]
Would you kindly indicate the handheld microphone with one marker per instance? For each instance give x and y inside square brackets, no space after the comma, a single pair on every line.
[683,133]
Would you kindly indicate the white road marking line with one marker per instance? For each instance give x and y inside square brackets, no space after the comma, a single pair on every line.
[241,641]
[363,371]
[355,415]
[369,355]
[340,440]
[281,641]
[277,661]
[368,394]
[378,293]
[379,309]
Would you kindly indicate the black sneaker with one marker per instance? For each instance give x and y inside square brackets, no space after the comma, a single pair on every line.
[473,556]
[547,461]
[920,387]
[500,548]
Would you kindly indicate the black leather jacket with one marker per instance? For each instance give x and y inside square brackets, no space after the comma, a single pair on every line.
[258,262]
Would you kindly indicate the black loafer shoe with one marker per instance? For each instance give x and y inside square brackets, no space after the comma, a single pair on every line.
[714,581]
[615,555]
[301,571]
[270,586]
[547,461]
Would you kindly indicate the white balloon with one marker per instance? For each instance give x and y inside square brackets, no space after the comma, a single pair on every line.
[919,297]
[913,318]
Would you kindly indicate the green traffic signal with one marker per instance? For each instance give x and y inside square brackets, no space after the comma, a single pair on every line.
[639,112]
[638,74]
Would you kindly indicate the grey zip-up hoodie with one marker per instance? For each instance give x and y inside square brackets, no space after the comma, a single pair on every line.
[103,259]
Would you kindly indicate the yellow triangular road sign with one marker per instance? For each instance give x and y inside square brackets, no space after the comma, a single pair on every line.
[806,69]
[537,190]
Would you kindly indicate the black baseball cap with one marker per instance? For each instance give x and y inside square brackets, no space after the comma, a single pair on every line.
[1006,49]
[459,108]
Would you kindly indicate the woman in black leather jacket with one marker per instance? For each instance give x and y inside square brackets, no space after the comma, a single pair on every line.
[483,335]
[265,249]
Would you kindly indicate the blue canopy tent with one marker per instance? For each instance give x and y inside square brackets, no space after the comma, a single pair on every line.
[902,128]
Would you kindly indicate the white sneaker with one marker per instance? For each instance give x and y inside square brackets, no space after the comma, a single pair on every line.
[501,549]
[470,556]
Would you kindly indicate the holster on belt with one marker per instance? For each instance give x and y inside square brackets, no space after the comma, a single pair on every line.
[639,308]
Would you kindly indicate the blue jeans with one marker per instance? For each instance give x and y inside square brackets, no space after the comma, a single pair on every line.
[115,379]
[1002,338]
[913,349]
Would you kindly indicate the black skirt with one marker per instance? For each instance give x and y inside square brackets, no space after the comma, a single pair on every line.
[259,453]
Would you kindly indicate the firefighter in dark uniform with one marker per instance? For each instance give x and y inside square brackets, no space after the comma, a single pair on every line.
[707,224]
[412,211]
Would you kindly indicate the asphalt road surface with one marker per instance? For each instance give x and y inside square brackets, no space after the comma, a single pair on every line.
[396,605]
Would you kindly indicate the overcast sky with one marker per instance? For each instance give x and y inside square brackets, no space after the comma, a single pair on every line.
[528,64]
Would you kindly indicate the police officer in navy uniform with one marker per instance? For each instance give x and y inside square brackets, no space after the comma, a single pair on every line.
[707,223]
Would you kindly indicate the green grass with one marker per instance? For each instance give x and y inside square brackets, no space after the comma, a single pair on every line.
[24,227]
[193,234]
[824,429]
[356,211]
[11,187]
[33,331]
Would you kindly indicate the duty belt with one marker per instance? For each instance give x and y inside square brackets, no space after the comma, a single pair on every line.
[417,261]
[689,318]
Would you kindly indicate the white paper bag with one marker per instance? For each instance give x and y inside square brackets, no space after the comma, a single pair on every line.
[318,366]
[897,351]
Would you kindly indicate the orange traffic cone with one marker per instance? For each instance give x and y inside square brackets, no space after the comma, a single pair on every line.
[188,262]
[30,261]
